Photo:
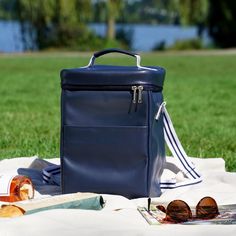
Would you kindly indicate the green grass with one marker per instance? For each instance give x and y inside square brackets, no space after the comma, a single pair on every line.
[199,90]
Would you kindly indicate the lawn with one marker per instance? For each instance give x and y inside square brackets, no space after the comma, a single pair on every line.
[199,91]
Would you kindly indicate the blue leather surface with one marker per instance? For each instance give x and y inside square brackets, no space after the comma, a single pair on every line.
[109,144]
[113,75]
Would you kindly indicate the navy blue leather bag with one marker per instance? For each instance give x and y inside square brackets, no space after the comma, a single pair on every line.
[110,140]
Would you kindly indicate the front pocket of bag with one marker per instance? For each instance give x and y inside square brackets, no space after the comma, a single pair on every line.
[106,159]
[103,108]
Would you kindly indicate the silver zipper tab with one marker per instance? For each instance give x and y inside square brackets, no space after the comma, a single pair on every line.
[134,88]
[140,90]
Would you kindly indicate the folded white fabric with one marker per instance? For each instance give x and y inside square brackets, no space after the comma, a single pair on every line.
[119,217]
[51,173]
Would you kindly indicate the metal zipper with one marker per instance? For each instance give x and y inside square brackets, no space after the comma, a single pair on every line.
[137,90]
[76,87]
[140,90]
[134,89]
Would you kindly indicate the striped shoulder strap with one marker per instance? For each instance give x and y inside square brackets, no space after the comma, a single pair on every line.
[51,174]
[184,162]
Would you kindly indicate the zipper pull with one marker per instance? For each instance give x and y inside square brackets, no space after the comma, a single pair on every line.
[134,88]
[140,90]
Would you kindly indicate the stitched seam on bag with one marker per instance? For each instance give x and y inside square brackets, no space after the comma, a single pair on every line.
[62,142]
[148,143]
[116,127]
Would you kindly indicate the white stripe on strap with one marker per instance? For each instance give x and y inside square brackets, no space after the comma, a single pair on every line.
[49,172]
[167,185]
[173,143]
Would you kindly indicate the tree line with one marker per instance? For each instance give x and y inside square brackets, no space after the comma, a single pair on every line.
[63,23]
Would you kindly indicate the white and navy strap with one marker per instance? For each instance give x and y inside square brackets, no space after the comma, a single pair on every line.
[184,162]
[50,174]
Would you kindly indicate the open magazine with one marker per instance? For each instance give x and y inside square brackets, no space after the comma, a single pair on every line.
[227,216]
[90,201]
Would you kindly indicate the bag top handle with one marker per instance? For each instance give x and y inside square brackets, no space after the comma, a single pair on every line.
[112,50]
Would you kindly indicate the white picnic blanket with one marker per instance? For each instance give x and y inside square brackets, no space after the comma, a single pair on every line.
[120,215]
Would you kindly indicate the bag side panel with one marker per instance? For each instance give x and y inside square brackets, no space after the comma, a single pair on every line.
[156,145]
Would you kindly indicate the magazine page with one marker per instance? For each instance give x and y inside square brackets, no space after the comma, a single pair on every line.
[227,216]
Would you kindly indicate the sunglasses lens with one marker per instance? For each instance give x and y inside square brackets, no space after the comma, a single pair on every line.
[207,208]
[178,211]
[161,208]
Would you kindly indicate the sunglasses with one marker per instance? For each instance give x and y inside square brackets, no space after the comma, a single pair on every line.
[179,211]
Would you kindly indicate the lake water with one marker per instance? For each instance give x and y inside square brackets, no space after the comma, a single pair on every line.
[144,37]
[10,37]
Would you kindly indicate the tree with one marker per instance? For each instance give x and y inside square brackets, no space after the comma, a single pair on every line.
[53,23]
[35,18]
[222,22]
[113,8]
[5,9]
[194,12]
